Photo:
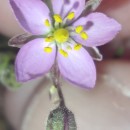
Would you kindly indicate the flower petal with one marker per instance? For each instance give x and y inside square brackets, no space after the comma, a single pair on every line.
[100,29]
[31,14]
[32,61]
[78,68]
[63,7]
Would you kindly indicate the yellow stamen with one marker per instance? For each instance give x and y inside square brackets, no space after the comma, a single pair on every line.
[64,53]
[47,23]
[79,29]
[69,48]
[57,18]
[61,35]
[48,49]
[84,35]
[49,39]
[71,15]
[77,47]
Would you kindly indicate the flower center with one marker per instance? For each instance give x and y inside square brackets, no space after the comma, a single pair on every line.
[58,34]
[61,35]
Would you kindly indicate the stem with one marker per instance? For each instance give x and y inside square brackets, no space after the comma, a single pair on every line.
[60,118]
[55,75]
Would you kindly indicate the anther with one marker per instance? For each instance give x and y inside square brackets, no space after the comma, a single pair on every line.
[63,53]
[57,18]
[49,39]
[70,16]
[48,49]
[84,35]
[47,23]
[77,47]
[79,29]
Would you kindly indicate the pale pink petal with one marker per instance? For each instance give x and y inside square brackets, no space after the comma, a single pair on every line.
[31,14]
[32,61]
[63,7]
[100,29]
[78,68]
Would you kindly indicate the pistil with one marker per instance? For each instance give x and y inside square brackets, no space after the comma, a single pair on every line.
[61,35]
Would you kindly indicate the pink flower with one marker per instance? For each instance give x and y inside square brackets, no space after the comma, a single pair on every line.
[59,33]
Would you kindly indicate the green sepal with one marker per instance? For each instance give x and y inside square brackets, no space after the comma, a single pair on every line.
[61,119]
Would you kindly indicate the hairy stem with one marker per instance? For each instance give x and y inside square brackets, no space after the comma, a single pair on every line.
[60,118]
[55,75]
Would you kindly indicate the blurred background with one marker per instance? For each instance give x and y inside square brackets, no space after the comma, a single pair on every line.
[16,99]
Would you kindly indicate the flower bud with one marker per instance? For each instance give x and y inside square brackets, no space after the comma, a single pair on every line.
[61,119]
